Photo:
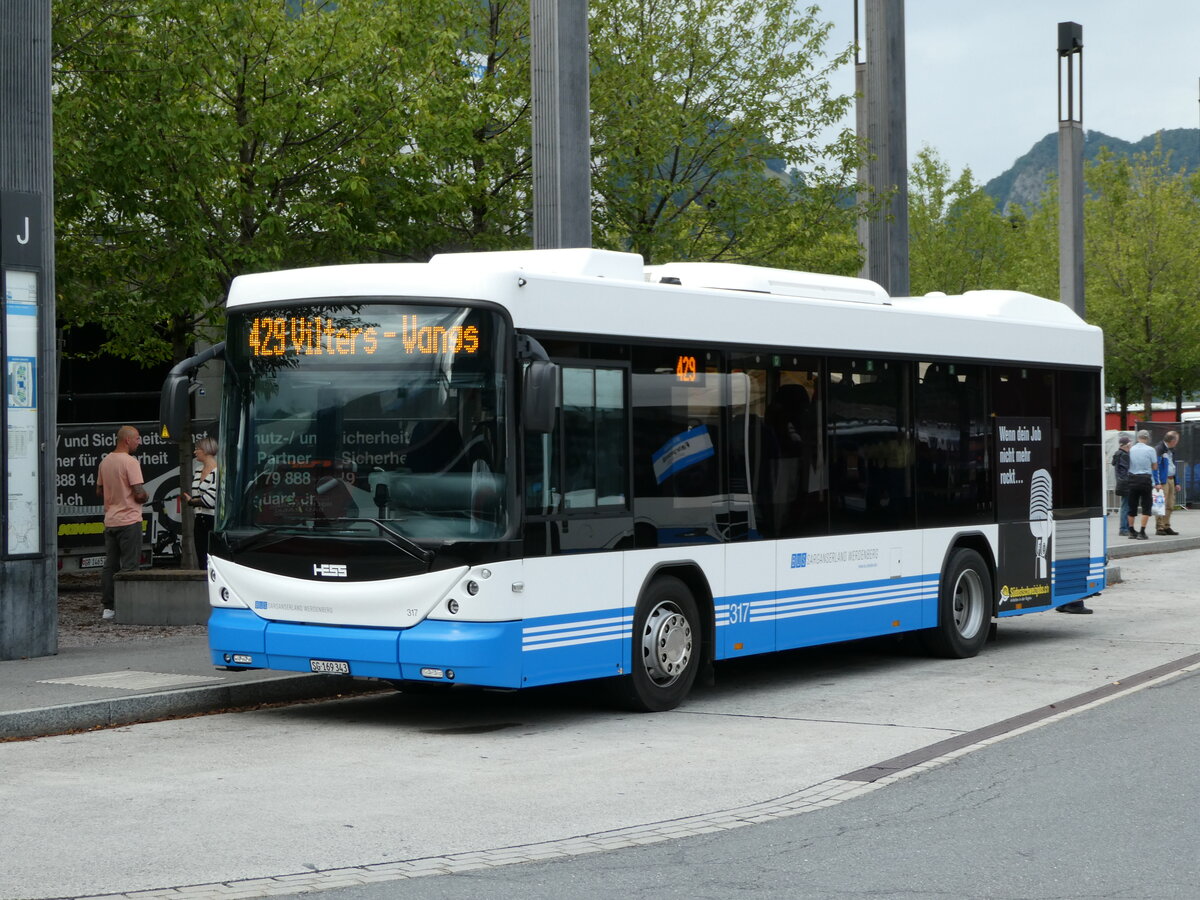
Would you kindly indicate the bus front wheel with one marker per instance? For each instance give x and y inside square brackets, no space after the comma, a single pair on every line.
[666,647]
[964,607]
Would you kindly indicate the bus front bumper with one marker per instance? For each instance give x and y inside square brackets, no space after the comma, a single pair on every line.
[486,654]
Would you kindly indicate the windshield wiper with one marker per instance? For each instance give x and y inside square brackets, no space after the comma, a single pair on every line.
[408,545]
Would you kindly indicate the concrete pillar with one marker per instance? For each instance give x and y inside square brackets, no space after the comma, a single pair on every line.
[562,206]
[886,133]
[28,549]
[863,225]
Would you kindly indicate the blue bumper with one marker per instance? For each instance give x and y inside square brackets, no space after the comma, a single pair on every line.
[479,653]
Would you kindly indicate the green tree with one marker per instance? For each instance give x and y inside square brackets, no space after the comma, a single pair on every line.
[1143,271]
[958,241]
[707,124]
[469,138]
[199,141]
[1033,260]
[196,142]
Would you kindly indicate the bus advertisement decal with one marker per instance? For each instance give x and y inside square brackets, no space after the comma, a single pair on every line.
[1025,504]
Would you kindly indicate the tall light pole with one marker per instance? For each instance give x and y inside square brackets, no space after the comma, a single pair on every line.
[1070,166]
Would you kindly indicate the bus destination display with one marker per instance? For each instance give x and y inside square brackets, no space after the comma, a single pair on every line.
[316,335]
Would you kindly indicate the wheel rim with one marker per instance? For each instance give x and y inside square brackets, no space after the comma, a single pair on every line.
[968,603]
[666,644]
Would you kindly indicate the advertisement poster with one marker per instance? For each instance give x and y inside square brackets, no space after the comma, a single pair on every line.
[79,451]
[1025,504]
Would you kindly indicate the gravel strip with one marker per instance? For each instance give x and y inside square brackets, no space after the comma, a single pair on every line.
[80,625]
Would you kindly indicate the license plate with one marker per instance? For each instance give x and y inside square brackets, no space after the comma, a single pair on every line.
[91,562]
[330,666]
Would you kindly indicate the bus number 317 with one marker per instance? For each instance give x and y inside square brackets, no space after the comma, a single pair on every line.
[739,613]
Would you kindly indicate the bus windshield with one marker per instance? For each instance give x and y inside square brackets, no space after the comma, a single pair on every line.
[365,418]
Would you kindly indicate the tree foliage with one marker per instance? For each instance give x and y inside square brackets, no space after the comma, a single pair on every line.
[467,157]
[1143,271]
[957,239]
[707,124]
[195,142]
[199,141]
[1141,260]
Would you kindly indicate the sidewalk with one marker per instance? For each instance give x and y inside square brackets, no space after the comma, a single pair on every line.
[139,681]
[142,680]
[1183,520]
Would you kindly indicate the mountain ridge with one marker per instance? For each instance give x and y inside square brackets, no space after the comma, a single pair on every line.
[1025,181]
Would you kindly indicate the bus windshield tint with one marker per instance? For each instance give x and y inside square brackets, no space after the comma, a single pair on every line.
[337,414]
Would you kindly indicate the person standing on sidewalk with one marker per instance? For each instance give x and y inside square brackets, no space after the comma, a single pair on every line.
[119,483]
[203,496]
[1143,463]
[1167,477]
[1120,462]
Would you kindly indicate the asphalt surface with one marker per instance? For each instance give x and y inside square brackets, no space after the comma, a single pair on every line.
[123,683]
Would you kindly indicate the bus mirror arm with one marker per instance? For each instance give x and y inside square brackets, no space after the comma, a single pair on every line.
[174,410]
[540,396]
[529,348]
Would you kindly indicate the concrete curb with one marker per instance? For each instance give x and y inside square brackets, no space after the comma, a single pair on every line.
[1127,548]
[51,720]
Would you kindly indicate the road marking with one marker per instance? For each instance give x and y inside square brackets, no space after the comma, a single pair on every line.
[1008,726]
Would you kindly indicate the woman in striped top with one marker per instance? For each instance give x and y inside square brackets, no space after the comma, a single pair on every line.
[204,496]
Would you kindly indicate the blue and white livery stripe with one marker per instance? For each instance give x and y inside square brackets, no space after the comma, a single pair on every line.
[577,631]
[772,606]
[858,598]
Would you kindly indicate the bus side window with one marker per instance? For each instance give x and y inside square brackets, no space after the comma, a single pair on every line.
[795,416]
[677,446]
[870,446]
[953,471]
[587,449]
[595,442]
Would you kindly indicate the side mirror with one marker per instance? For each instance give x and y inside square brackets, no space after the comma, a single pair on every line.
[174,411]
[174,408]
[540,396]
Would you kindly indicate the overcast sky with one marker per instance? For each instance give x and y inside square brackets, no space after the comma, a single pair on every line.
[982,75]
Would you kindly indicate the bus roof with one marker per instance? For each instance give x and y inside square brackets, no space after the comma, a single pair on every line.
[600,292]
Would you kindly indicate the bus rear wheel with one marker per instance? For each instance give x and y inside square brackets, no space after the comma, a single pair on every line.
[666,647]
[964,607]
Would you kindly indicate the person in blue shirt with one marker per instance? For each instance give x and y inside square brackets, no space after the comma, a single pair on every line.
[1143,464]
[1167,476]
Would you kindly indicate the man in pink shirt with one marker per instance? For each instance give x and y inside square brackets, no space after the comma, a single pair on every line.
[119,483]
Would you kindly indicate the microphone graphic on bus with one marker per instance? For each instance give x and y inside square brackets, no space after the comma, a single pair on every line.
[1041,520]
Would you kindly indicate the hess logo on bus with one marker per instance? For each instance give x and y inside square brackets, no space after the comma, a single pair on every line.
[329,570]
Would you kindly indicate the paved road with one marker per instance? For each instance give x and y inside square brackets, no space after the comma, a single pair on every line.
[1098,804]
[380,786]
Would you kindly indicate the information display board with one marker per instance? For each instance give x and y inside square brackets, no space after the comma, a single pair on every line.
[21,451]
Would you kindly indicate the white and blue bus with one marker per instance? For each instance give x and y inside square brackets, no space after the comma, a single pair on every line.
[524,468]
